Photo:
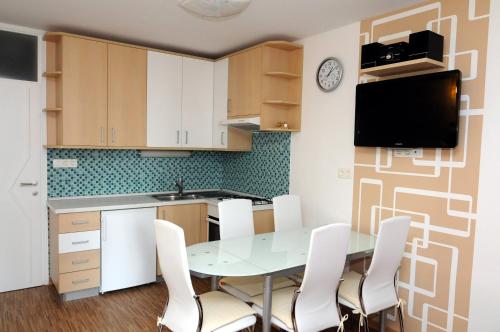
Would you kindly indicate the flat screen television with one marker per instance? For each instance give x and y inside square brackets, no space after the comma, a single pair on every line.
[410,112]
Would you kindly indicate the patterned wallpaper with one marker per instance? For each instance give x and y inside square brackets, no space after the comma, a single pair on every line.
[439,190]
[107,172]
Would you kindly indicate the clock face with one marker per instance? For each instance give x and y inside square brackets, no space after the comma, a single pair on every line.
[329,74]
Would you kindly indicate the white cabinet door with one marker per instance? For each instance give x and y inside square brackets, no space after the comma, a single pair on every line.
[128,248]
[164,100]
[221,72]
[197,103]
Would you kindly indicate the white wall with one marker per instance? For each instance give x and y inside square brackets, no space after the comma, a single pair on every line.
[326,140]
[485,288]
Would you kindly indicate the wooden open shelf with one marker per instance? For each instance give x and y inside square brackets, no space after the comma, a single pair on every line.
[403,67]
[52,74]
[52,109]
[280,129]
[282,74]
[281,102]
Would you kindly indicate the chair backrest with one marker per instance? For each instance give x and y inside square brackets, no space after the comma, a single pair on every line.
[287,212]
[316,306]
[182,310]
[235,219]
[378,289]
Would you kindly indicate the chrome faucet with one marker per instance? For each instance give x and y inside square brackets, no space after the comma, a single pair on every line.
[179,183]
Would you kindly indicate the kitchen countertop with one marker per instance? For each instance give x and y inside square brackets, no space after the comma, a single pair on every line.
[130,201]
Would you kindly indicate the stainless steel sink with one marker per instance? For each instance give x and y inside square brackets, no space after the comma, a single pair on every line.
[175,197]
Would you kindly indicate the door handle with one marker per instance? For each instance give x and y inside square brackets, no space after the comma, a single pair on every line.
[25,184]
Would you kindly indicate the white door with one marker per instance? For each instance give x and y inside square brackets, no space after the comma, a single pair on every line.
[221,72]
[128,248]
[22,223]
[197,102]
[164,100]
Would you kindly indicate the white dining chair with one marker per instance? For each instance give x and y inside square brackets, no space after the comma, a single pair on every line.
[376,290]
[236,221]
[314,306]
[185,311]
[287,212]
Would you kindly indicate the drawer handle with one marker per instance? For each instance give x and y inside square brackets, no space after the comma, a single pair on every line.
[80,281]
[80,261]
[80,242]
[79,222]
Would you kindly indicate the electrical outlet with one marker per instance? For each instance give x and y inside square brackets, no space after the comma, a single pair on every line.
[344,173]
[65,163]
[408,153]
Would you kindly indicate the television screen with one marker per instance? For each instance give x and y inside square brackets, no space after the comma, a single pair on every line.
[410,112]
[18,56]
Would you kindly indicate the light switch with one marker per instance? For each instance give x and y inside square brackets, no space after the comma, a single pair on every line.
[344,173]
[65,163]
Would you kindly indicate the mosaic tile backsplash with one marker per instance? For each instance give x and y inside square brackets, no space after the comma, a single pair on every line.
[264,171]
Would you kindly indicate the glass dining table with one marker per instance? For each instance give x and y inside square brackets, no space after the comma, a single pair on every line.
[268,255]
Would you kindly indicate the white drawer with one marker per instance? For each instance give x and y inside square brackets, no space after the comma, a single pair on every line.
[79,241]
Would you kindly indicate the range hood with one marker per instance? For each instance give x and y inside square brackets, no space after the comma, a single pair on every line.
[251,124]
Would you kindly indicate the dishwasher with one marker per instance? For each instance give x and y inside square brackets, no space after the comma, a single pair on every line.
[128,248]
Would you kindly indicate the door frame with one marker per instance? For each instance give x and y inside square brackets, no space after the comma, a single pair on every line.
[43,140]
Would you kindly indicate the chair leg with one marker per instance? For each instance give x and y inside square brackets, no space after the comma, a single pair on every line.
[365,325]
[400,314]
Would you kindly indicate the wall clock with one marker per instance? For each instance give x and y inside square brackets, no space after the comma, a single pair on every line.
[329,74]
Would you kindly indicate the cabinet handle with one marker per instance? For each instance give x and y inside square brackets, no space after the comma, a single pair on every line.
[113,134]
[221,138]
[80,281]
[187,136]
[80,261]
[229,105]
[80,242]
[104,231]
[178,136]
[79,222]
[101,139]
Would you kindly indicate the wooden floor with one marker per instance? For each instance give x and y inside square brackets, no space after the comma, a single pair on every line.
[135,309]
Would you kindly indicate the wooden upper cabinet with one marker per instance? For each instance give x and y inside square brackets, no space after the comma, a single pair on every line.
[245,72]
[127,96]
[83,116]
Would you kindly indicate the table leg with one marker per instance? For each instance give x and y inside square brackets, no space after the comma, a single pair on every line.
[381,323]
[266,309]
[214,283]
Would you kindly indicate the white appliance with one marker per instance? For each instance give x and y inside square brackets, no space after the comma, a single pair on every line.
[128,248]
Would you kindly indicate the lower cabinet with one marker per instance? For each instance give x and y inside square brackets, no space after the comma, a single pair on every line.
[192,218]
[263,221]
[75,251]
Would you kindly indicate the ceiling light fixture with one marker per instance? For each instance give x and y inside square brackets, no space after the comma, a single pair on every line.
[214,8]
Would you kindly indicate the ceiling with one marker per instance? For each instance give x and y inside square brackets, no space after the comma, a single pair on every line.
[163,24]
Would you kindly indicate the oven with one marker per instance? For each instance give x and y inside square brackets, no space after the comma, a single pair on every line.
[213,228]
